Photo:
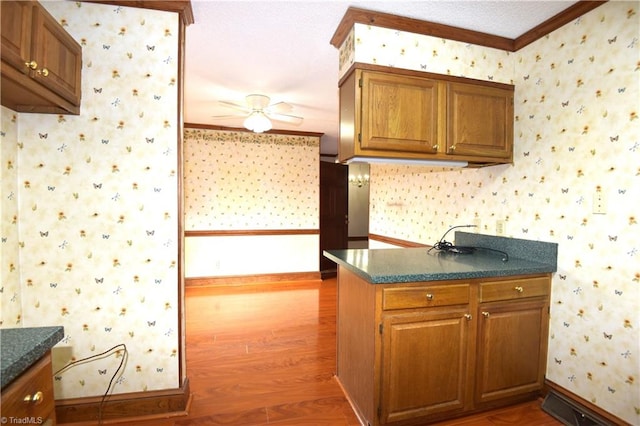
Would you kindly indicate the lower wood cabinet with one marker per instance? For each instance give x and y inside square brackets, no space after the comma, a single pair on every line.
[413,353]
[29,398]
[415,348]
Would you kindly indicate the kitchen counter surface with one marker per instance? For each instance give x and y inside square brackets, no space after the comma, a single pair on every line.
[397,265]
[21,347]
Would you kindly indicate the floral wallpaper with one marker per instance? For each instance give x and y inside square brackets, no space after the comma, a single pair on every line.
[576,135]
[90,204]
[247,181]
[383,46]
[10,294]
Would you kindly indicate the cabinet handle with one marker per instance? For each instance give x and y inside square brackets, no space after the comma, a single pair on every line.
[34,399]
[33,65]
[429,296]
[518,289]
[43,72]
[452,148]
[468,317]
[486,314]
[435,147]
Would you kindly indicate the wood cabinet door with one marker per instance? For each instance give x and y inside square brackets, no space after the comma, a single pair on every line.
[57,52]
[480,121]
[424,364]
[16,34]
[512,348]
[399,113]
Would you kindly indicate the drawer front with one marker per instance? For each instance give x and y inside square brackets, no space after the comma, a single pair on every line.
[514,289]
[425,296]
[36,386]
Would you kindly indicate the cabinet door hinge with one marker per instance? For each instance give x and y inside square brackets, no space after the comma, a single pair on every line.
[360,82]
[379,412]
[380,328]
[359,137]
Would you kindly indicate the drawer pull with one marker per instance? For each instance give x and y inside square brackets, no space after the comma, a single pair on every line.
[486,314]
[34,399]
[32,64]
[468,317]
[43,72]
[429,296]
[518,289]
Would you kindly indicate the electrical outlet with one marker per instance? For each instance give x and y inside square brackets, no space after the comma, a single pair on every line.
[501,227]
[599,203]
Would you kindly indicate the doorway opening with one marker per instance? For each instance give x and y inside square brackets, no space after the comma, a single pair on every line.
[358,231]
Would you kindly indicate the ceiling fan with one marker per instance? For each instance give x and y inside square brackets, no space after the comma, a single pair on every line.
[259,112]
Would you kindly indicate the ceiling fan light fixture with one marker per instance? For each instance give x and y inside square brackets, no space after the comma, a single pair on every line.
[257,122]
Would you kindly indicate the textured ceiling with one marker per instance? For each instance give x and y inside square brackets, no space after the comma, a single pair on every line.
[281,49]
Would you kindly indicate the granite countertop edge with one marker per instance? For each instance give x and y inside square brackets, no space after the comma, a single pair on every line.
[22,347]
[444,276]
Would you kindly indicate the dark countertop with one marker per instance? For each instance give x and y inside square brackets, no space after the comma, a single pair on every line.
[22,347]
[398,265]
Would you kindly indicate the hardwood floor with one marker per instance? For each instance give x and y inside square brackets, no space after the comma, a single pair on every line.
[265,355]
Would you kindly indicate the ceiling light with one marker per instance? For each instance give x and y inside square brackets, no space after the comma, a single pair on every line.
[257,122]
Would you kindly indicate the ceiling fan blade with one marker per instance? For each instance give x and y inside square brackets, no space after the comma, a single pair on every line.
[292,119]
[279,108]
[220,117]
[234,105]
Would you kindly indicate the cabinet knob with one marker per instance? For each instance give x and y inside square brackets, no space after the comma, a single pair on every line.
[518,289]
[452,148]
[468,317]
[435,147]
[34,399]
[429,296]
[33,65]
[486,314]
[43,72]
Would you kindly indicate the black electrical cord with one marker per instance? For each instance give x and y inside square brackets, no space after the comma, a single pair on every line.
[113,377]
[443,245]
[447,247]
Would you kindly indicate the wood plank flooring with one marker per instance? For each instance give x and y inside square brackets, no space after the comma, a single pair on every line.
[265,355]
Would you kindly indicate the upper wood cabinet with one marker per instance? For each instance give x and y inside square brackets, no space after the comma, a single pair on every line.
[480,121]
[406,114]
[399,113]
[41,63]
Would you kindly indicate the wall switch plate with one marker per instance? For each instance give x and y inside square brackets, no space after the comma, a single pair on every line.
[501,227]
[599,203]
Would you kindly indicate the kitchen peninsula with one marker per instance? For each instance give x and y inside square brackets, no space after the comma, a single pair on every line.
[425,335]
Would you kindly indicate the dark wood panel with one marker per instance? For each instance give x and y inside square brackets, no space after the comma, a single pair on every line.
[569,14]
[249,232]
[181,7]
[385,20]
[417,26]
[242,129]
[125,408]
[334,211]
